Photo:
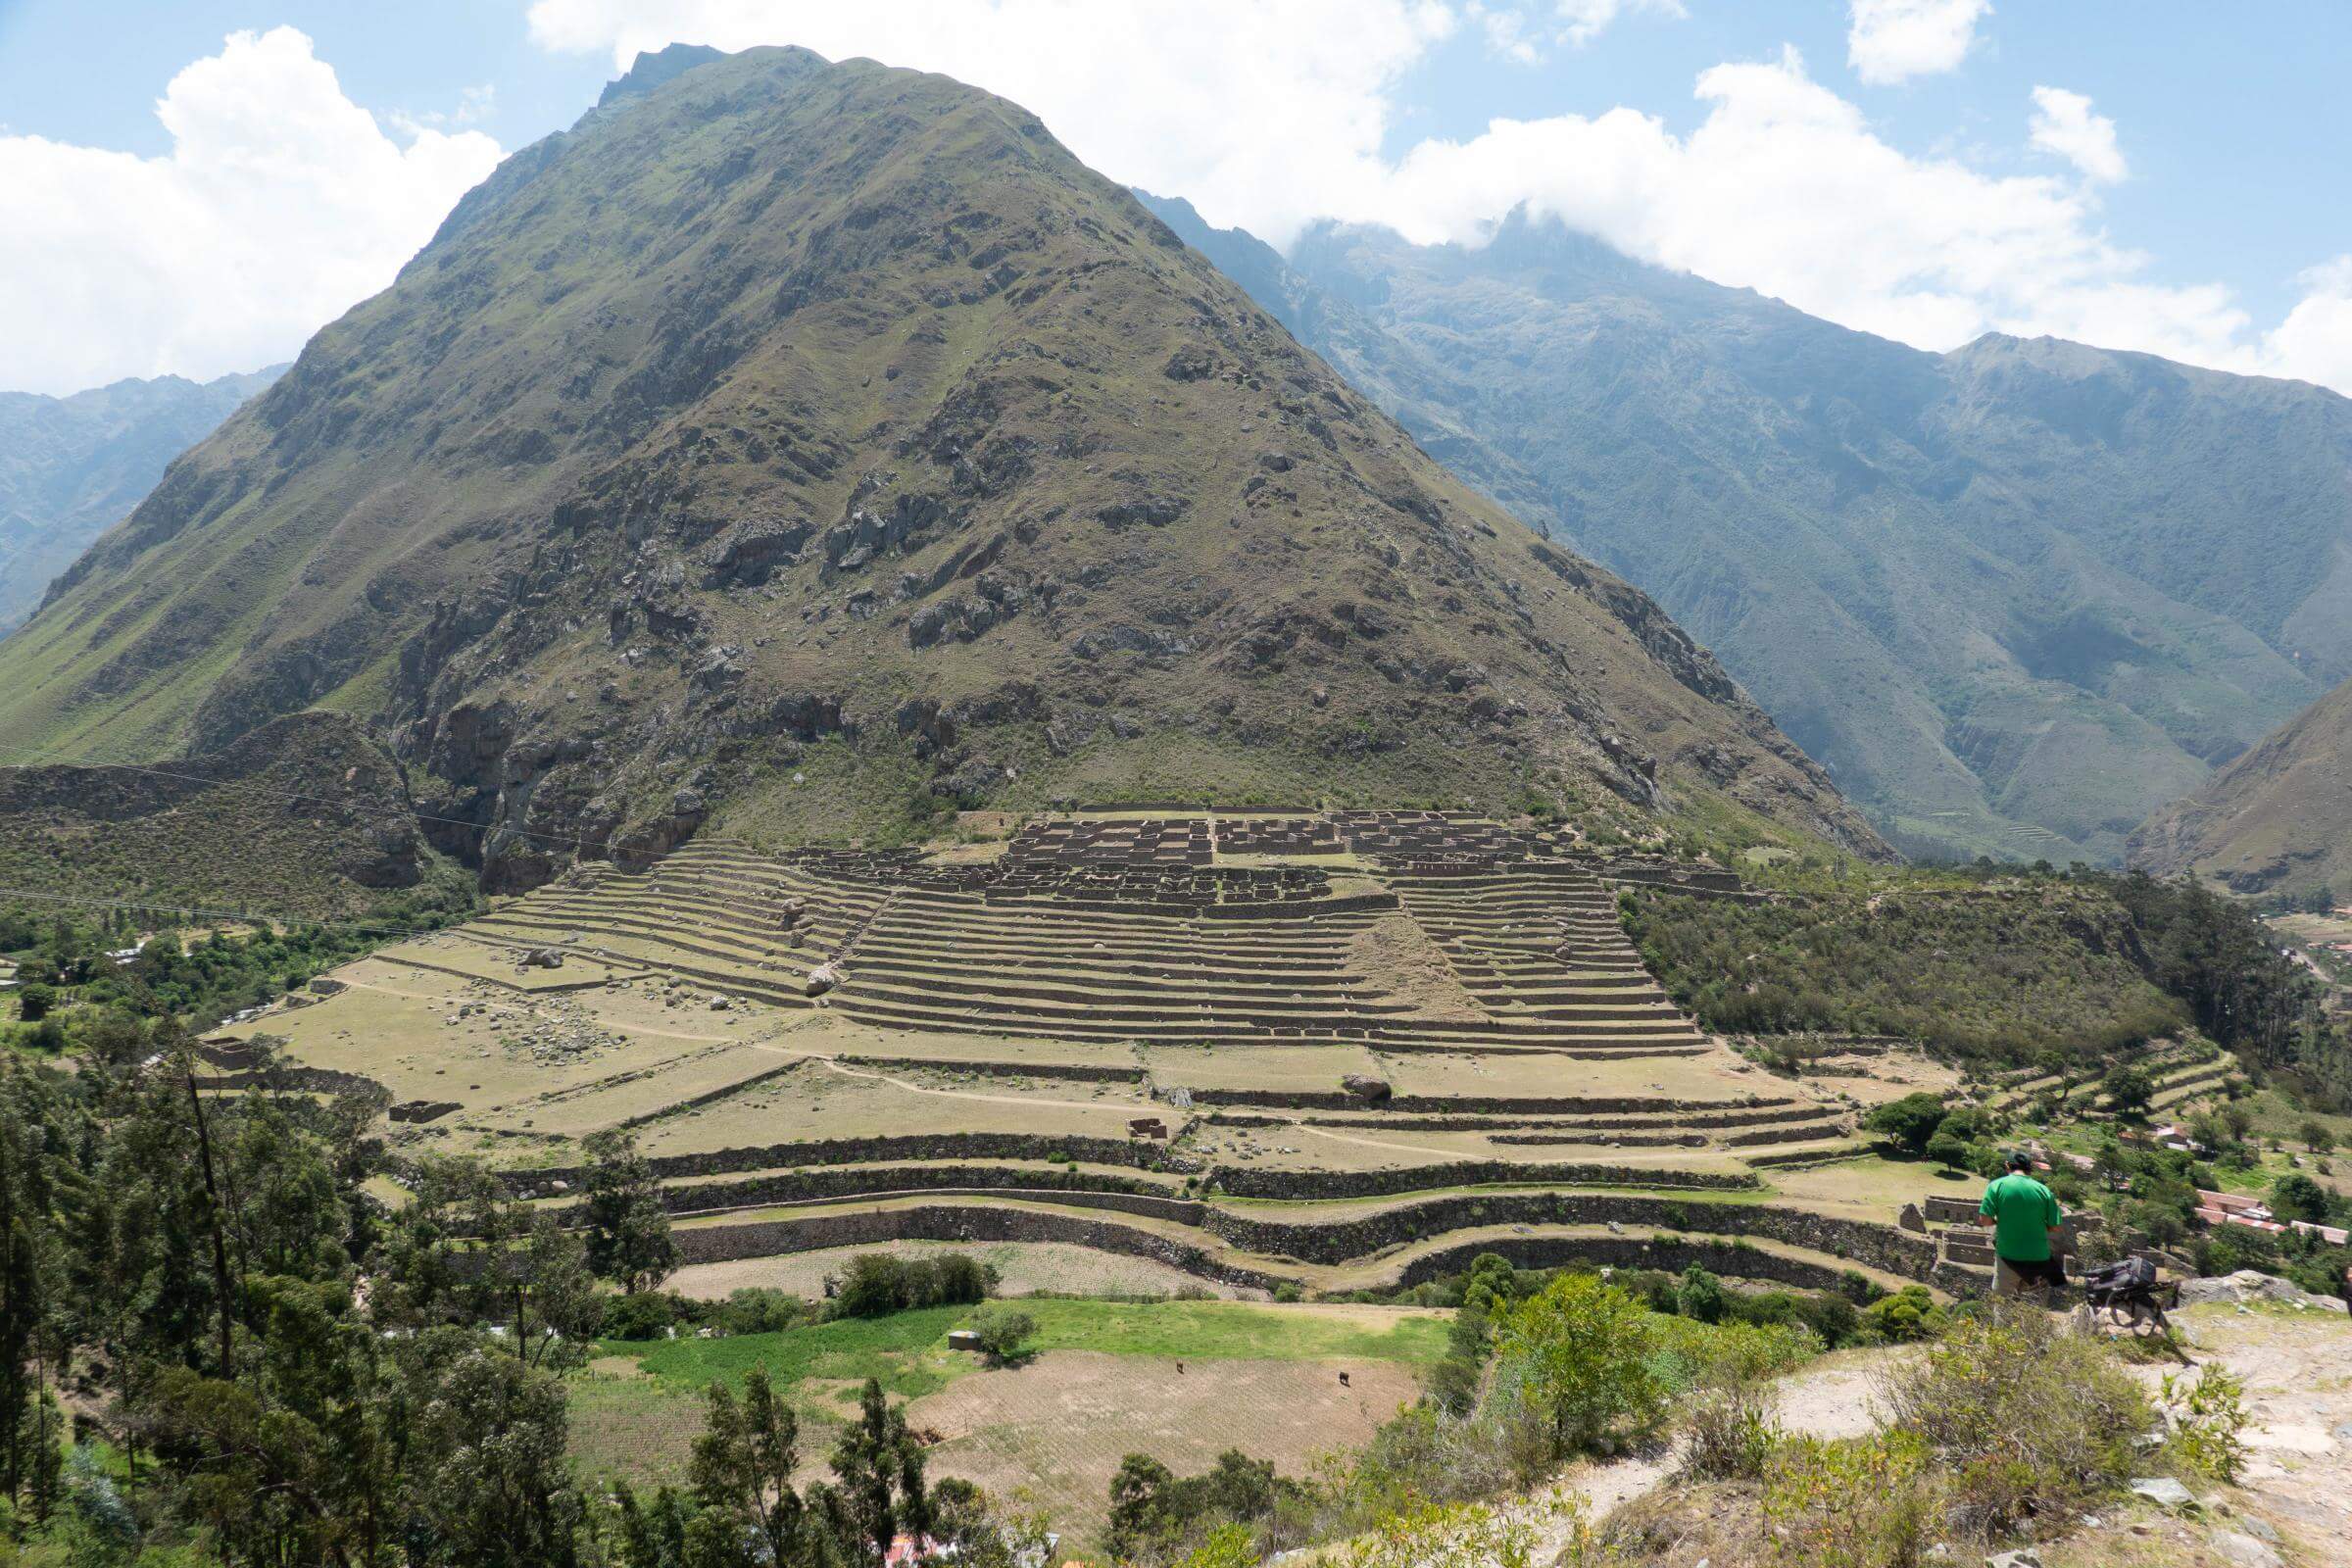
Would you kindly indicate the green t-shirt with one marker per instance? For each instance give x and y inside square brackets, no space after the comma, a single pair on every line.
[2023,1213]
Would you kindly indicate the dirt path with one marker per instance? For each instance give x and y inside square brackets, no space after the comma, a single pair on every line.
[2297,1368]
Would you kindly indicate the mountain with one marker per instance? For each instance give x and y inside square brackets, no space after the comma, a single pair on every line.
[794,446]
[2016,596]
[72,468]
[2277,822]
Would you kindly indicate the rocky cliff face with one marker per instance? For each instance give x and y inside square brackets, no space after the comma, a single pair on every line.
[802,444]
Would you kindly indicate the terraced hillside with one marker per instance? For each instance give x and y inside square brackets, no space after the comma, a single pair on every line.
[1260,1046]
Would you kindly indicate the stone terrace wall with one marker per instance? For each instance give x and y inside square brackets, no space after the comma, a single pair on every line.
[1339,1240]
[1302,1185]
[716,1243]
[1673,1254]
[869,1150]
[1478,1104]
[803,1186]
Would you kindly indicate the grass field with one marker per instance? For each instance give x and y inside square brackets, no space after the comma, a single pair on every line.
[908,1350]
[636,1410]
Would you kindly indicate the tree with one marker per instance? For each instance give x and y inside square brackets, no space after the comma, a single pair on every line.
[880,1470]
[34,1000]
[1909,1122]
[2129,1091]
[1139,1504]
[1582,1349]
[1003,1332]
[2295,1196]
[2316,1137]
[487,1484]
[628,1229]
[743,1463]
[1948,1151]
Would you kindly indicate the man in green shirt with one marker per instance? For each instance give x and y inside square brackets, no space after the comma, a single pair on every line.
[2024,1220]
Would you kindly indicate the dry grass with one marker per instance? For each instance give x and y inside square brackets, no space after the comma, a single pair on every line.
[1023,1268]
[1057,1428]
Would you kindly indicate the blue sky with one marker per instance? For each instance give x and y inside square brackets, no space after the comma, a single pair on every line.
[2187,190]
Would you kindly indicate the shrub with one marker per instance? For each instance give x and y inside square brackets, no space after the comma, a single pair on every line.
[646,1315]
[1729,1430]
[876,1284]
[1867,1502]
[1910,1314]
[2031,1421]
[757,1310]
[1580,1353]
[34,1002]
[2207,1417]
[1699,1295]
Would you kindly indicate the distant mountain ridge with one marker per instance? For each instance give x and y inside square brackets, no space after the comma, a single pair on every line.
[2276,822]
[799,448]
[2016,596]
[72,468]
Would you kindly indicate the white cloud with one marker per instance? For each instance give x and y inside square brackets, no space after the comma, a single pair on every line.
[1271,115]
[281,204]
[1894,41]
[2314,341]
[1255,105]
[1583,21]
[2063,124]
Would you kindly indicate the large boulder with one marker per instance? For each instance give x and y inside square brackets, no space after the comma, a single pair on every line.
[1371,1091]
[2251,1285]
[822,979]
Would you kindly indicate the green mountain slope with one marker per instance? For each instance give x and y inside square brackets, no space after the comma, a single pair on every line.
[2015,597]
[2277,822]
[71,468]
[797,445]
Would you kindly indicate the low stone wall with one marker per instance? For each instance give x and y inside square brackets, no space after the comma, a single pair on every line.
[297,1080]
[1087,1073]
[1140,1153]
[1339,1240]
[1473,1105]
[1305,1185]
[716,1243]
[837,1181]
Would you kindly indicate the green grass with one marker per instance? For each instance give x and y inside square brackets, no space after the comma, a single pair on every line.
[908,1351]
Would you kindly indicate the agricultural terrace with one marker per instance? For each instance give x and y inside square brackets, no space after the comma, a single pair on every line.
[1248,1049]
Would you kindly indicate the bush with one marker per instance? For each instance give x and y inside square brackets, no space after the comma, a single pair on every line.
[646,1315]
[1699,1295]
[876,1284]
[2207,1417]
[1865,1502]
[2031,1421]
[1910,1314]
[1729,1430]
[34,1003]
[757,1310]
